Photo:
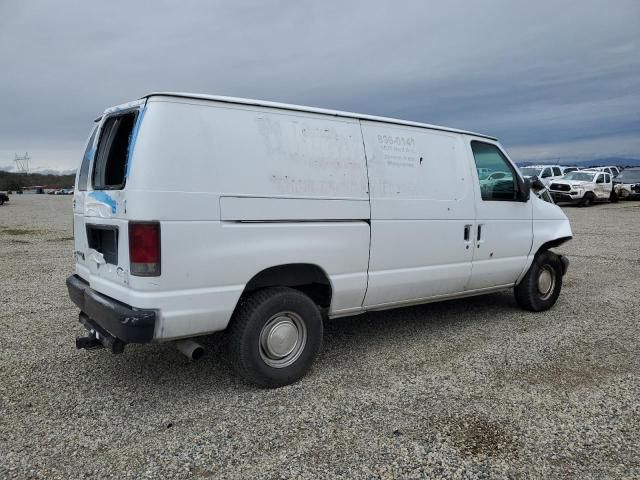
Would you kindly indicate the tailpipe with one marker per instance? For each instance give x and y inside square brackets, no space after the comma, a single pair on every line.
[190,349]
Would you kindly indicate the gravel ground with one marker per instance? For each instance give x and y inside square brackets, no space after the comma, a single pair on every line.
[472,388]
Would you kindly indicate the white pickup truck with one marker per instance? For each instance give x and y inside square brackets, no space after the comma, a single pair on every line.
[583,187]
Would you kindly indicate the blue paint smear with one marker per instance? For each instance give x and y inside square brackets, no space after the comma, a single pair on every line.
[106,199]
[134,137]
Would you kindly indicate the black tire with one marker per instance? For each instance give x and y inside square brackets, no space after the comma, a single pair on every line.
[587,200]
[528,293]
[613,198]
[1,201]
[248,342]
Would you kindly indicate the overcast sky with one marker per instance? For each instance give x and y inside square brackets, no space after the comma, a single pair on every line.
[551,79]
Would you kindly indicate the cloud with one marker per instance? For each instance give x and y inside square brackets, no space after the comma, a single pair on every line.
[536,73]
[592,148]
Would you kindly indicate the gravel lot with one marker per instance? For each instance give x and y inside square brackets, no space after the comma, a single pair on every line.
[471,388]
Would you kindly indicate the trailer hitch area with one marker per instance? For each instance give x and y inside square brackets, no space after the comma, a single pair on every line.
[88,343]
[98,337]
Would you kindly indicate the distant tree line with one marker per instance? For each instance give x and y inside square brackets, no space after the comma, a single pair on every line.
[16,181]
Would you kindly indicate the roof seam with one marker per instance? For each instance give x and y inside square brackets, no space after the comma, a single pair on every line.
[322,111]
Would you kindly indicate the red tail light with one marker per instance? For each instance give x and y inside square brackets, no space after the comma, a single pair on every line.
[144,248]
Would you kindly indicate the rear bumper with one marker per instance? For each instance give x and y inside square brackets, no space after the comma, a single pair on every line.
[113,320]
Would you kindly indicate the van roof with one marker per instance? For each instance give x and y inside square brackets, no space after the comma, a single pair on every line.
[300,108]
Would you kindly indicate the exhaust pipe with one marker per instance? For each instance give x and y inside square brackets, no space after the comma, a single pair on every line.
[190,349]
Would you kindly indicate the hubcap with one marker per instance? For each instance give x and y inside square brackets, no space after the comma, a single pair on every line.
[282,339]
[546,281]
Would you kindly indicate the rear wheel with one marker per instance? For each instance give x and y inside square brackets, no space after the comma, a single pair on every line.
[275,335]
[541,286]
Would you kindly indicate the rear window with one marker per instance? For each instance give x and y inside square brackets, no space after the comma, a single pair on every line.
[110,165]
[83,174]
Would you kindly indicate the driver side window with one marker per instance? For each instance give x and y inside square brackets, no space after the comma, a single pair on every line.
[490,159]
[546,173]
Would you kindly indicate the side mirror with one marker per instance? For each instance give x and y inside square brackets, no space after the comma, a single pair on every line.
[537,184]
[524,190]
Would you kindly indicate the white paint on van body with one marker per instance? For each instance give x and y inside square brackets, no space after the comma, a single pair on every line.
[379,205]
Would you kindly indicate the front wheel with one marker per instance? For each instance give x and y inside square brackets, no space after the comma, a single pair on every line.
[274,336]
[540,287]
[587,200]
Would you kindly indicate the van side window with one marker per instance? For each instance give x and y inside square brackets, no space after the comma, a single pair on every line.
[557,172]
[110,165]
[83,174]
[489,158]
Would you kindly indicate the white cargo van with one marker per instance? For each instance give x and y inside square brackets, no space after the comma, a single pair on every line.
[195,214]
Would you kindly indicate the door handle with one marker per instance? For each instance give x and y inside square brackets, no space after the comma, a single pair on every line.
[479,232]
[467,233]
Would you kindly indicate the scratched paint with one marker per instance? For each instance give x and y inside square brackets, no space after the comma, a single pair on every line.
[105,198]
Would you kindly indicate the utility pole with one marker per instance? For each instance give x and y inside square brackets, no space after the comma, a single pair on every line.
[22,162]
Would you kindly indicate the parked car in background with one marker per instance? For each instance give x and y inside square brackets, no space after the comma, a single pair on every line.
[4,197]
[612,170]
[546,173]
[583,187]
[490,181]
[627,183]
[566,170]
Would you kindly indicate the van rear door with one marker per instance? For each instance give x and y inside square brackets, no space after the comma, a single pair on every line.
[100,218]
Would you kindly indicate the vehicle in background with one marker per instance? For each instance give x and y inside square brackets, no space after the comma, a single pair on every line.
[292,214]
[64,191]
[546,173]
[37,190]
[612,170]
[627,183]
[583,187]
[4,197]
[489,181]
[566,170]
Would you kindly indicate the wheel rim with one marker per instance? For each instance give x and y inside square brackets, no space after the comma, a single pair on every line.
[546,281]
[282,339]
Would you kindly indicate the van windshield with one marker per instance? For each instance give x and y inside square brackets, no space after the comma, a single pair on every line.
[112,155]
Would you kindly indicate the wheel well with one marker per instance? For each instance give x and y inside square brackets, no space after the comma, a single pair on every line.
[552,244]
[308,278]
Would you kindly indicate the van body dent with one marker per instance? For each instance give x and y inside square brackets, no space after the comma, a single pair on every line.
[195,214]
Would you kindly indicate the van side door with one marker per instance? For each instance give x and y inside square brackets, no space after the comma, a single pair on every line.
[504,224]
[422,214]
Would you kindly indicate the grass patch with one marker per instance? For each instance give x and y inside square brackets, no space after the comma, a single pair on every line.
[19,231]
